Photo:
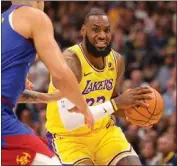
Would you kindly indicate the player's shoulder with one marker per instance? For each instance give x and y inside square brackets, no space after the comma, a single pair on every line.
[33,11]
[28,21]
[73,62]
[117,55]
[70,54]
[32,14]
[71,51]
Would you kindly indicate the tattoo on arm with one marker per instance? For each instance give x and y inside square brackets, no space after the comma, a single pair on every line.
[74,64]
[29,96]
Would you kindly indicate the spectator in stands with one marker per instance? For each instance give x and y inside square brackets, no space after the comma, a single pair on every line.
[136,78]
[148,153]
[165,147]
[168,97]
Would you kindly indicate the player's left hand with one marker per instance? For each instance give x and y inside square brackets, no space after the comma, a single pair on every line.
[29,85]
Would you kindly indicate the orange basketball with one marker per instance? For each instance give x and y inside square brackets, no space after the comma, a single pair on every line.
[144,117]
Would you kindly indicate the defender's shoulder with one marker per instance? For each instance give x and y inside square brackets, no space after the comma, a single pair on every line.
[32,14]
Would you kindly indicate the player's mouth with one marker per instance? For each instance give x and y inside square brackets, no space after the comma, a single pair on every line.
[101,44]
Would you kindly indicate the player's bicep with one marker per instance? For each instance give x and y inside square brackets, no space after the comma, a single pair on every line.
[74,64]
[120,74]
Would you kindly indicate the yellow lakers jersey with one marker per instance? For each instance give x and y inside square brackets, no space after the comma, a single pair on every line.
[96,86]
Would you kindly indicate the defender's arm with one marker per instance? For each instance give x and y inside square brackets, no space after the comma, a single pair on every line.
[29,96]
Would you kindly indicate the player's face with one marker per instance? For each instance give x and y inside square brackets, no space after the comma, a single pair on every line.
[97,35]
[163,145]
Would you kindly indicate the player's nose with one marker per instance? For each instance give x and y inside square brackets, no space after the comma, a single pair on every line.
[102,35]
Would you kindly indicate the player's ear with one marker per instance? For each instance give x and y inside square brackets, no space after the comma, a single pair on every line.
[83,30]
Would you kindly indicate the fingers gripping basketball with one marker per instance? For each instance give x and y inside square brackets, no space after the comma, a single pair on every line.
[142,116]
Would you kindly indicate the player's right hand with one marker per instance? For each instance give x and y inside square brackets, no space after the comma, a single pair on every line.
[134,97]
[89,120]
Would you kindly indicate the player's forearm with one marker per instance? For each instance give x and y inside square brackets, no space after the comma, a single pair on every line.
[69,87]
[102,110]
[73,121]
[29,96]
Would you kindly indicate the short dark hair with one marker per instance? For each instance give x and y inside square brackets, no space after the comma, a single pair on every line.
[94,12]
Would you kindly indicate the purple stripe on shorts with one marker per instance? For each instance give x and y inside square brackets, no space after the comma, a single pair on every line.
[49,140]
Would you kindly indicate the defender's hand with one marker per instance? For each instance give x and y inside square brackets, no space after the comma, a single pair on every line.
[89,120]
[29,85]
[134,97]
[88,117]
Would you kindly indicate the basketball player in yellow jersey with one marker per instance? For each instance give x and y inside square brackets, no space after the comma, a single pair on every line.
[99,70]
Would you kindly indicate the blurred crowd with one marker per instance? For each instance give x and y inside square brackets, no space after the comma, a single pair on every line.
[144,33]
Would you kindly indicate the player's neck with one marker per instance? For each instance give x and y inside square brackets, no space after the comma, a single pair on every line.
[97,62]
[16,2]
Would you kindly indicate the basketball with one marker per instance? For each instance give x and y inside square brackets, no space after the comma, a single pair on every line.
[143,117]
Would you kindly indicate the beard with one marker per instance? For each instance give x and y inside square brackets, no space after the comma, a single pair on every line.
[95,51]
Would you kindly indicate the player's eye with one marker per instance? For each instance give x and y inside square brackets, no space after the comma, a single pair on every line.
[96,30]
[107,30]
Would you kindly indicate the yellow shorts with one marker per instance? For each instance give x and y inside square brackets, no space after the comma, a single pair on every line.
[104,147]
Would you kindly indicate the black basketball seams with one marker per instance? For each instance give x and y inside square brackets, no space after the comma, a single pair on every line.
[153,110]
[150,112]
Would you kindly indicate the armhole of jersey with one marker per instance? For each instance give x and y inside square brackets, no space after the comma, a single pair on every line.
[10,20]
[11,24]
[52,83]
